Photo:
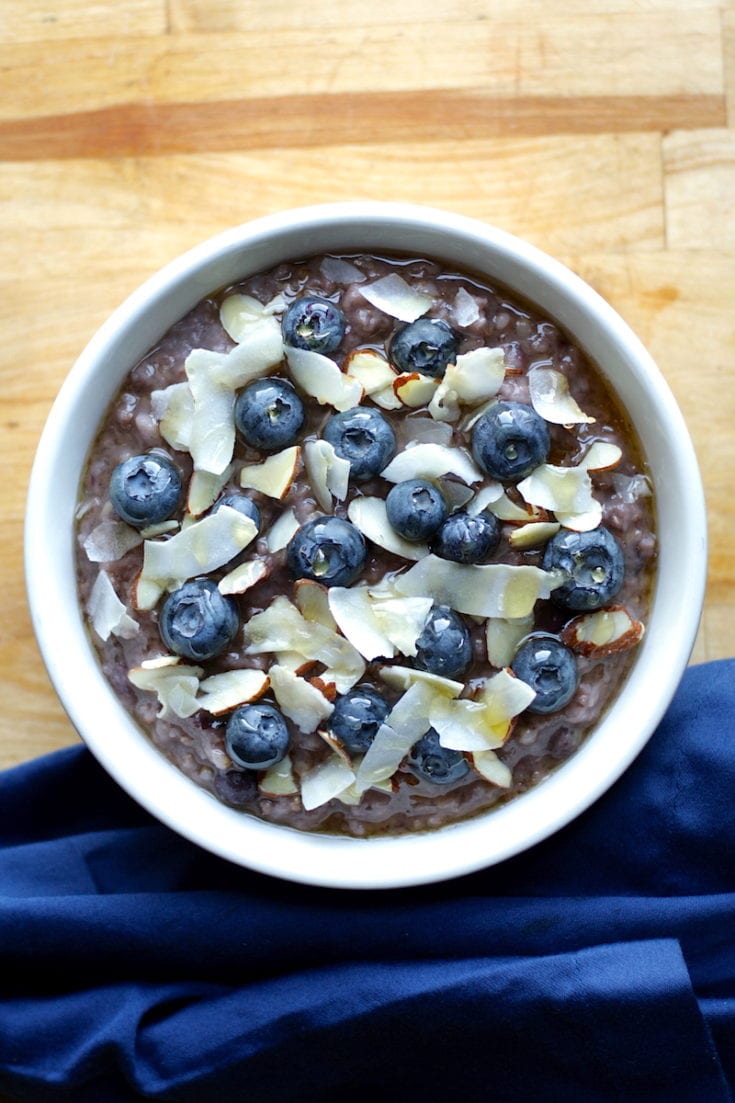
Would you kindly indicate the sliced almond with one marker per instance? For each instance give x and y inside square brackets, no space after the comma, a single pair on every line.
[414,389]
[483,590]
[279,780]
[328,690]
[223,692]
[503,636]
[370,516]
[550,398]
[485,497]
[301,702]
[204,488]
[281,531]
[243,577]
[533,534]
[604,632]
[312,601]
[582,522]
[488,765]
[386,398]
[601,456]
[275,475]
[395,297]
[321,378]
[432,461]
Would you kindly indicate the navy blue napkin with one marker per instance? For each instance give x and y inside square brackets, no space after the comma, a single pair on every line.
[598,966]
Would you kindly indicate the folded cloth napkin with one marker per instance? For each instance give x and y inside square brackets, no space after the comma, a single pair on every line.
[598,966]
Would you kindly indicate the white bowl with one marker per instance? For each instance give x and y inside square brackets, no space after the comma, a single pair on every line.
[107,728]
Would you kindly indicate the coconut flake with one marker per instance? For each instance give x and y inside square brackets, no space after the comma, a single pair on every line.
[339,270]
[200,548]
[325,782]
[533,534]
[561,489]
[279,780]
[321,378]
[174,683]
[239,313]
[403,677]
[161,529]
[275,475]
[489,766]
[173,409]
[370,369]
[550,398]
[386,398]
[281,531]
[298,700]
[402,620]
[505,696]
[604,632]
[431,461]
[407,721]
[630,488]
[465,308]
[503,635]
[353,612]
[204,487]
[328,473]
[107,613]
[110,541]
[370,516]
[424,430]
[477,375]
[482,590]
[394,296]
[463,726]
[226,691]
[486,496]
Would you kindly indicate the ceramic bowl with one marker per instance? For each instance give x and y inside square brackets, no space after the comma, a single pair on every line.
[106,727]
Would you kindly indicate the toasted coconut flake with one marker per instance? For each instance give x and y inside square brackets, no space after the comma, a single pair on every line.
[403,677]
[226,691]
[110,541]
[279,780]
[484,590]
[533,534]
[321,378]
[604,632]
[561,489]
[327,472]
[298,700]
[325,782]
[370,369]
[107,613]
[354,614]
[312,600]
[204,487]
[370,516]
[174,683]
[414,389]
[601,456]
[239,313]
[464,308]
[431,461]
[281,531]
[200,548]
[489,766]
[402,620]
[173,409]
[275,475]
[244,577]
[393,296]
[503,636]
[550,398]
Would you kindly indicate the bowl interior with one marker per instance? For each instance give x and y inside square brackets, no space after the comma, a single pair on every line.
[105,725]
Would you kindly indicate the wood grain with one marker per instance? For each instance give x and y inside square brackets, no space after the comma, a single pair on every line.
[600,130]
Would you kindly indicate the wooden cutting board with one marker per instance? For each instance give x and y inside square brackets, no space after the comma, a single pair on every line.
[600,130]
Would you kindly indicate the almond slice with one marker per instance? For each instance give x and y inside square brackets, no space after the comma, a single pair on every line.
[582,522]
[503,635]
[370,516]
[488,765]
[414,389]
[321,378]
[533,534]
[550,398]
[298,700]
[281,531]
[394,296]
[600,456]
[224,692]
[386,398]
[243,577]
[312,601]
[432,461]
[275,475]
[279,780]
[370,369]
[204,487]
[173,409]
[604,632]
[403,677]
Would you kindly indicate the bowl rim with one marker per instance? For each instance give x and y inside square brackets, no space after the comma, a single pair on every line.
[330,860]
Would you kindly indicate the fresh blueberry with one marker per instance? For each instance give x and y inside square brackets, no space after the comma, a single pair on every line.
[145,490]
[432,762]
[445,645]
[416,509]
[242,504]
[327,550]
[256,736]
[269,414]
[509,440]
[362,436]
[425,346]
[313,323]
[547,666]
[593,566]
[466,539]
[356,718]
[197,621]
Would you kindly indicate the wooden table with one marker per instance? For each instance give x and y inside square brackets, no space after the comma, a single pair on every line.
[130,130]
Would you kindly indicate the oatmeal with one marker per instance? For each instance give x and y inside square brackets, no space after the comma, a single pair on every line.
[365,545]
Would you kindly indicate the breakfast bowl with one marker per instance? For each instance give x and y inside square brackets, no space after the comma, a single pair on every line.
[281,358]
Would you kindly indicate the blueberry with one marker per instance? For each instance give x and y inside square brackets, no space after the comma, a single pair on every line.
[356,718]
[510,440]
[547,666]
[362,436]
[197,621]
[425,346]
[432,762]
[269,414]
[256,736]
[242,504]
[313,323]
[466,539]
[145,490]
[592,563]
[416,509]
[327,550]
[445,645]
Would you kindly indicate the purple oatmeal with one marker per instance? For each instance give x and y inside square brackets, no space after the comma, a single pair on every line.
[365,545]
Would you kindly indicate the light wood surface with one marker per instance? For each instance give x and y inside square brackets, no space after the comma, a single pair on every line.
[600,130]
